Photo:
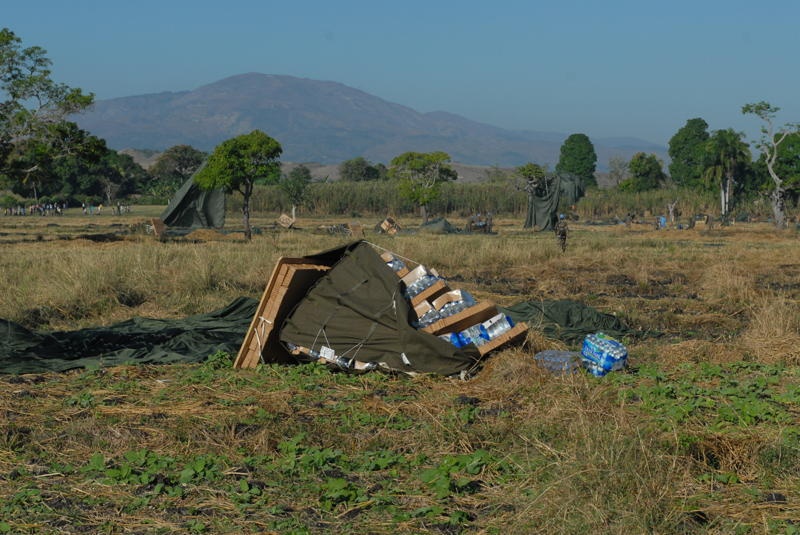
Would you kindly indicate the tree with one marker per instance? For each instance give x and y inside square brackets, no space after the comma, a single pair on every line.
[687,152]
[578,158]
[35,107]
[769,144]
[237,163]
[727,158]
[787,164]
[174,167]
[359,169]
[420,175]
[646,173]
[295,184]
[617,169]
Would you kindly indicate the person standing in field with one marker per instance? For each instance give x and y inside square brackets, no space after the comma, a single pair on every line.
[561,231]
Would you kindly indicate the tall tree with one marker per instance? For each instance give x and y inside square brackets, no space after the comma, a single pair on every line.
[578,158]
[787,164]
[420,175]
[687,152]
[769,144]
[646,173]
[727,158]
[34,106]
[174,167]
[295,185]
[237,163]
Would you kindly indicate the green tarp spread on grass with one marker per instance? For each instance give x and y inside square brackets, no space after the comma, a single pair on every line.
[137,341]
[357,309]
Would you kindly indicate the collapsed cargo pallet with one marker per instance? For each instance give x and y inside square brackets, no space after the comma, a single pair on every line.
[345,307]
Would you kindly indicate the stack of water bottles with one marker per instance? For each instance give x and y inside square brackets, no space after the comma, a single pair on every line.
[419,279]
[480,333]
[602,354]
[453,302]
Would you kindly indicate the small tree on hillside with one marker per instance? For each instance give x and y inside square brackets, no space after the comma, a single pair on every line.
[768,145]
[420,176]
[237,163]
[295,185]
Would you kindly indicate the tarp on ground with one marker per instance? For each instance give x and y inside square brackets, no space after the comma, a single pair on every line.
[135,341]
[194,207]
[439,225]
[358,310]
[566,320]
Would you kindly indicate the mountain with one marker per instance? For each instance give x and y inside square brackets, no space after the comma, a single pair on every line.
[324,122]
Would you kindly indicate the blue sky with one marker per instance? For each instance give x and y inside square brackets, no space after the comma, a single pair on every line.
[604,68]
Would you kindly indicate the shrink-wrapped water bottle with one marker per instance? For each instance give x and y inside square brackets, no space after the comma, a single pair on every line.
[497,325]
[603,352]
[474,335]
[428,318]
[453,338]
[454,307]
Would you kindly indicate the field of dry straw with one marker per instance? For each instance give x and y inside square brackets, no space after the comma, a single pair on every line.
[699,435]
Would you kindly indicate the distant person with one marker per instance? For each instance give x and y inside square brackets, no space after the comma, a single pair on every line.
[561,229]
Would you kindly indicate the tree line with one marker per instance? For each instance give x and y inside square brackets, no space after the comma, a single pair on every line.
[44,156]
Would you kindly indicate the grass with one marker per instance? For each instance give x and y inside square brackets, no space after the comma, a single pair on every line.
[699,435]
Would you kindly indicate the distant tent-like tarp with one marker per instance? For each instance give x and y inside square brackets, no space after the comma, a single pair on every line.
[543,200]
[193,207]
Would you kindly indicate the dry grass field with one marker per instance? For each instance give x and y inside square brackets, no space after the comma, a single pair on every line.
[699,435]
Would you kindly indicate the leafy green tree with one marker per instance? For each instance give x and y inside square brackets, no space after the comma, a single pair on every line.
[360,169]
[174,167]
[34,109]
[420,175]
[787,164]
[646,173]
[237,163]
[34,168]
[727,158]
[687,153]
[295,186]
[769,145]
[578,158]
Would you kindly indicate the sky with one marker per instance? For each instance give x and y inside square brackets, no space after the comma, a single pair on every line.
[610,68]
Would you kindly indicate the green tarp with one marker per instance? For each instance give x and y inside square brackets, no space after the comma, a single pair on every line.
[566,320]
[193,207]
[358,310]
[138,341]
[545,197]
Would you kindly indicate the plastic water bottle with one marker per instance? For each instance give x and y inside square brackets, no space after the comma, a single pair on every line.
[454,307]
[429,318]
[473,335]
[497,325]
[453,338]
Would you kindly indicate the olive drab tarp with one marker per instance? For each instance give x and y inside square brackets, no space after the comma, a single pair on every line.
[545,197]
[194,207]
[135,341]
[358,310]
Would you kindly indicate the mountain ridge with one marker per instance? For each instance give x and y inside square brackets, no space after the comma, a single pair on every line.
[323,121]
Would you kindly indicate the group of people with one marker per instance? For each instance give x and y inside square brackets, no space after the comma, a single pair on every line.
[36,209]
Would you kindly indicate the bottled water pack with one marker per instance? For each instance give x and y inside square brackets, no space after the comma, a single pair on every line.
[602,354]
